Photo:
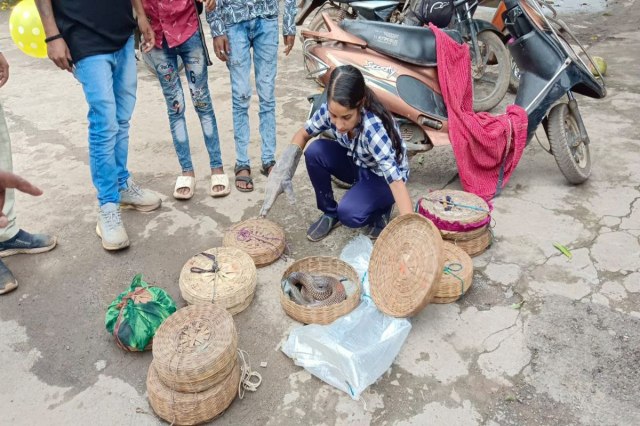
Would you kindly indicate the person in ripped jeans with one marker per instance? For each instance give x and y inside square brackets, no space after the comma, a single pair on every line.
[178,34]
[238,26]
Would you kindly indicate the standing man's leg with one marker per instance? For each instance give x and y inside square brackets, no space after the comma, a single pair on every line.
[125,83]
[239,64]
[193,56]
[14,240]
[95,73]
[265,58]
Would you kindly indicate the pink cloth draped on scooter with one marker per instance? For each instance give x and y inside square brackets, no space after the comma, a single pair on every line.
[481,142]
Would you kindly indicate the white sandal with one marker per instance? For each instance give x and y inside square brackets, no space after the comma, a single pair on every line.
[182,182]
[220,180]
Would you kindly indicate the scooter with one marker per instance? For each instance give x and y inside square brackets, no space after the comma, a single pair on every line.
[399,65]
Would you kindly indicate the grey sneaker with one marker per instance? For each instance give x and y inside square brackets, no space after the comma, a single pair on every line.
[137,198]
[7,280]
[111,229]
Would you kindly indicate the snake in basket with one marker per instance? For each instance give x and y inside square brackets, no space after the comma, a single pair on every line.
[316,290]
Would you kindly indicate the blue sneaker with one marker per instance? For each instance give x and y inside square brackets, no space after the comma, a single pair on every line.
[7,280]
[25,242]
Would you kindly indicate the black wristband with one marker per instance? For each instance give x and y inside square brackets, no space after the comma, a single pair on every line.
[55,37]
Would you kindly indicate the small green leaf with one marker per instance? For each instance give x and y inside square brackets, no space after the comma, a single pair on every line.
[562,249]
[518,305]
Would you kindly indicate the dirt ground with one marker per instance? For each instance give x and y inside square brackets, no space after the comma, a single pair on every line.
[569,355]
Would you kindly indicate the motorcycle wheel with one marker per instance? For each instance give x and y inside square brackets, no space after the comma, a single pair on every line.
[335,13]
[490,72]
[570,152]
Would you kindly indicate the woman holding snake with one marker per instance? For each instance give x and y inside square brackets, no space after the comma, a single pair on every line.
[365,150]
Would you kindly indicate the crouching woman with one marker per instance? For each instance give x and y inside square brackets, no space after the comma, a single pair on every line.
[364,149]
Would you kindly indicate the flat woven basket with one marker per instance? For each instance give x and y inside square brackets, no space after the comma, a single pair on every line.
[457,276]
[452,210]
[322,265]
[477,245]
[406,263]
[191,408]
[261,239]
[195,348]
[232,285]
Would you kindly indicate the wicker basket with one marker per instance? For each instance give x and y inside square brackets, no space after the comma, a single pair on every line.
[262,239]
[452,210]
[322,314]
[406,263]
[463,236]
[232,285]
[457,276]
[195,348]
[477,245]
[191,408]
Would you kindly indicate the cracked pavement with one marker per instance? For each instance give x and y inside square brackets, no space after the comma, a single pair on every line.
[538,339]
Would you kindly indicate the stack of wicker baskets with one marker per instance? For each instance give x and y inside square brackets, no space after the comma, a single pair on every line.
[405,266]
[462,218]
[322,265]
[224,275]
[194,375]
[260,238]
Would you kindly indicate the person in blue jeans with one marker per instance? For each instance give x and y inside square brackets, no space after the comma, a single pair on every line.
[365,150]
[94,41]
[178,34]
[242,29]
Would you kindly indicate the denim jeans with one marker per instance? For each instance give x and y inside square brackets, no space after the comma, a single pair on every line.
[193,57]
[368,199]
[261,35]
[109,83]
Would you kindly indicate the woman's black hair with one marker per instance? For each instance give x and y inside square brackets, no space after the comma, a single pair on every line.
[347,87]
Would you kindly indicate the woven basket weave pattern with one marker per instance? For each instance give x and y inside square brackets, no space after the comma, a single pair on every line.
[192,408]
[406,263]
[457,276]
[233,286]
[261,239]
[477,245]
[195,347]
[435,205]
[322,265]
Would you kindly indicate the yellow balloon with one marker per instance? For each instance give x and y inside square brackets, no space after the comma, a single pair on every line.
[26,29]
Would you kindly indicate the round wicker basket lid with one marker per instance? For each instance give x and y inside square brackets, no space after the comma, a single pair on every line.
[223,275]
[405,265]
[457,276]
[262,239]
[195,344]
[452,206]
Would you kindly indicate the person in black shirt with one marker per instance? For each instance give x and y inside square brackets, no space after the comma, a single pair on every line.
[94,40]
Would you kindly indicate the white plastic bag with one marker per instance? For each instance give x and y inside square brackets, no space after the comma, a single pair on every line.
[354,351]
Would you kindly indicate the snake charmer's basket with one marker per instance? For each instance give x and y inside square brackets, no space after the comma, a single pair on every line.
[191,408]
[260,238]
[195,348]
[405,266]
[328,266]
[457,275]
[462,218]
[224,275]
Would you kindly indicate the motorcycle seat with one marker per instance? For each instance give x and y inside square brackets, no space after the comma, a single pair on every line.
[415,45]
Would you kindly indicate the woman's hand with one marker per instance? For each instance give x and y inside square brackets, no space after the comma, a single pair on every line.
[402,197]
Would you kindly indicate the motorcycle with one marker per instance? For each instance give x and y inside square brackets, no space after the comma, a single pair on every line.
[489,57]
[337,10]
[399,64]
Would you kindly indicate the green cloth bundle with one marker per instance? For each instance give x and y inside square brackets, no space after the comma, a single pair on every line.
[136,314]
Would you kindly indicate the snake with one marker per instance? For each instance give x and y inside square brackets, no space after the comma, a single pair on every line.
[316,290]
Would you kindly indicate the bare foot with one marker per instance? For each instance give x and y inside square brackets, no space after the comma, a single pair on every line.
[185,191]
[241,184]
[218,171]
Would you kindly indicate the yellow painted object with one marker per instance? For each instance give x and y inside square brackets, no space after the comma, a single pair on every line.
[601,65]
[26,29]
